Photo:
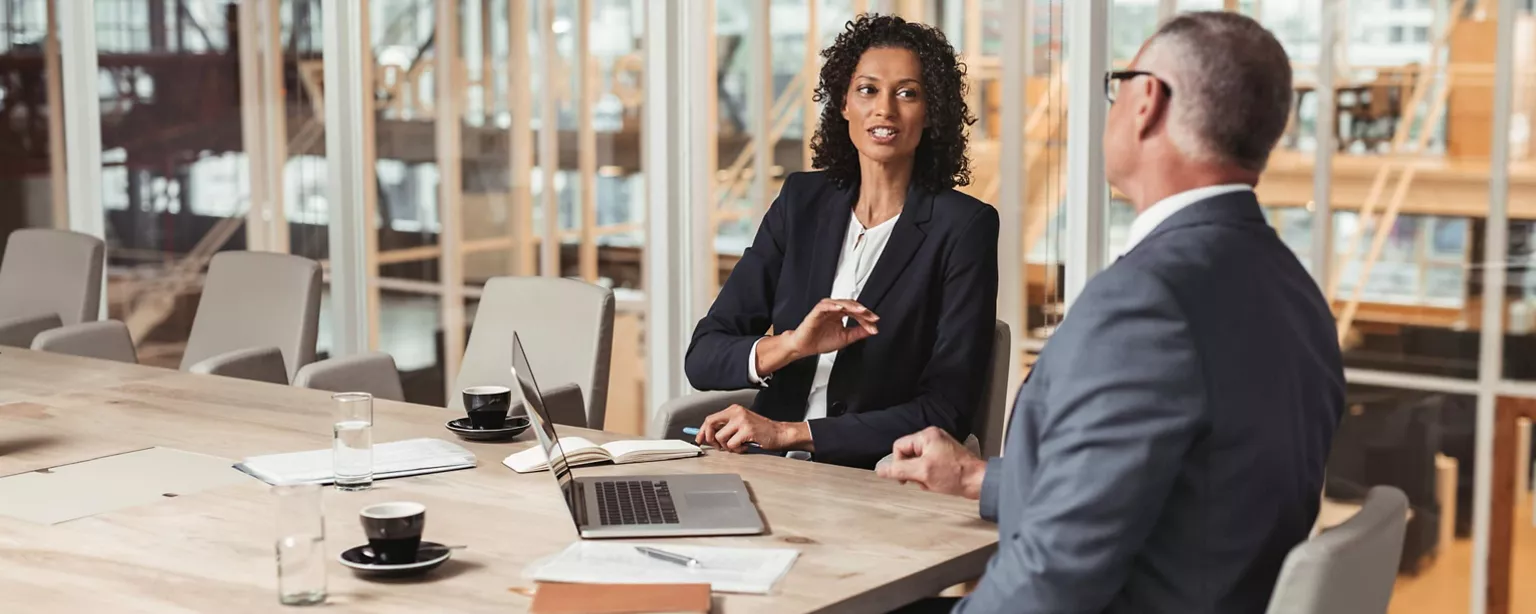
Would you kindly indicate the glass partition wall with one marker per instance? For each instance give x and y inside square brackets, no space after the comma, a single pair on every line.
[624,141]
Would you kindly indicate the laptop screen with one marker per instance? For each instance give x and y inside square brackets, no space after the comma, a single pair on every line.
[543,427]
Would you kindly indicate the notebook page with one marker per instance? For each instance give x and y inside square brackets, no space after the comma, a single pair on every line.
[650,449]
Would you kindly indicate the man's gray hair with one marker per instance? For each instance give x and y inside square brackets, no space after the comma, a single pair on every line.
[1231,86]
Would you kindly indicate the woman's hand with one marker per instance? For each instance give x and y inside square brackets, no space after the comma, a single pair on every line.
[734,427]
[821,331]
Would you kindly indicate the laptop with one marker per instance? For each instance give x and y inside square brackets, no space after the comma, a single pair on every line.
[637,505]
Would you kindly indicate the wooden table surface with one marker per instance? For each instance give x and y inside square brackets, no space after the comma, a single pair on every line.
[866,545]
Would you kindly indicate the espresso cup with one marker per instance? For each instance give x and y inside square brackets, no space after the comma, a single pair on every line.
[487,406]
[394,530]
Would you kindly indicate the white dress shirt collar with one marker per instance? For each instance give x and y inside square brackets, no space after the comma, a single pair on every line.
[1148,220]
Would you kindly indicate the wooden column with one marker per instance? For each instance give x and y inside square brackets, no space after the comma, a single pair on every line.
[58,179]
[448,113]
[519,70]
[586,152]
[1508,412]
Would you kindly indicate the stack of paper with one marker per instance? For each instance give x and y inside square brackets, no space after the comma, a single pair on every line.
[726,570]
[390,460]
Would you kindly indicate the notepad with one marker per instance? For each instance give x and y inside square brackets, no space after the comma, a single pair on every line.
[390,460]
[579,451]
[561,598]
[726,570]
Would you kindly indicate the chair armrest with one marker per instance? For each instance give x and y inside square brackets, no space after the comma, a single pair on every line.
[259,364]
[19,331]
[372,372]
[106,339]
[691,410]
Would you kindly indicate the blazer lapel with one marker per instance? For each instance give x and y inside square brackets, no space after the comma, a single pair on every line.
[906,238]
[831,226]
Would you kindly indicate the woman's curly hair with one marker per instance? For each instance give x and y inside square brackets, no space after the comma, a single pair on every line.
[940,162]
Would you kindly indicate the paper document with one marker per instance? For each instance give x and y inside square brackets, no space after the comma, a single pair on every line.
[390,460]
[726,570]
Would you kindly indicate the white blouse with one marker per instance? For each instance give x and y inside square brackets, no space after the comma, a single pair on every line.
[861,251]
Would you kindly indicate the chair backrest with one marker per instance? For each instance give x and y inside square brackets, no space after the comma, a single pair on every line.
[372,372]
[566,327]
[257,299]
[106,339]
[991,417]
[51,272]
[1348,569]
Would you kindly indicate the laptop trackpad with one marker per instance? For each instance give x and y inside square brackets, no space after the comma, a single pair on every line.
[712,500]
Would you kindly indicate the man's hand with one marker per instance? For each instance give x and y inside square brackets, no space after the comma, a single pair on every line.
[732,428]
[935,461]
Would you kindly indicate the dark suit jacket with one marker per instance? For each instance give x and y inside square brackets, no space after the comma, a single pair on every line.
[934,288]
[1167,449]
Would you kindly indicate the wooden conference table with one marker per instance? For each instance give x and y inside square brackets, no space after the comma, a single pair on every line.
[865,545]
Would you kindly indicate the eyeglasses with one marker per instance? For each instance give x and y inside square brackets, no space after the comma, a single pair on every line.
[1112,81]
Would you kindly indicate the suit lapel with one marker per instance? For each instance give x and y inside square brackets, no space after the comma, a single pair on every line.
[906,238]
[831,226]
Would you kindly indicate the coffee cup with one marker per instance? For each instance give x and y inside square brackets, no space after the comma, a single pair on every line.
[394,530]
[487,406]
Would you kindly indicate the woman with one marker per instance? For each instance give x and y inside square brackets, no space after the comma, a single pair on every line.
[878,278]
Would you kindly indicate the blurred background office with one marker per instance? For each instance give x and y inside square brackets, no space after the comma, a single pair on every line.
[420,147]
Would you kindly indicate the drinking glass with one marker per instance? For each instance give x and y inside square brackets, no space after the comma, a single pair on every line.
[300,544]
[352,441]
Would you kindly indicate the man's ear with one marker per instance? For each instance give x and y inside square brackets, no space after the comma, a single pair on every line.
[1152,108]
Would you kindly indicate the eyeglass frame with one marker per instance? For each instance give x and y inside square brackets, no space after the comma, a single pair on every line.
[1122,75]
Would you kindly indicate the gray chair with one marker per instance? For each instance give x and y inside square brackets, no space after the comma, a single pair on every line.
[48,278]
[1350,568]
[987,433]
[107,340]
[691,410]
[258,317]
[373,372]
[566,327]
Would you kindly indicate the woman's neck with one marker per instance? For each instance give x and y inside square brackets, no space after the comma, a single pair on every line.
[882,191]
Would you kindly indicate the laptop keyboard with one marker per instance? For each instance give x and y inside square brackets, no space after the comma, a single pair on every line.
[635,502]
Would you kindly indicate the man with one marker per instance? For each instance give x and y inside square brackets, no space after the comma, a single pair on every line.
[1167,450]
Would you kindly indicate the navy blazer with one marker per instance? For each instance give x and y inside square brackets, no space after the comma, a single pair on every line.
[1167,449]
[934,288]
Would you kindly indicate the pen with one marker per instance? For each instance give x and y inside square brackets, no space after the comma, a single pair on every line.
[676,559]
[694,431]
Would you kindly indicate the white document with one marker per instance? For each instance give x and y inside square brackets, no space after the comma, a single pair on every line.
[727,570]
[581,451]
[390,460]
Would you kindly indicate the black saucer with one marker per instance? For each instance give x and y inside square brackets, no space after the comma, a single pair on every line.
[428,557]
[461,427]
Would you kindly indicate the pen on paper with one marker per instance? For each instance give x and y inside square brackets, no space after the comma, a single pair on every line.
[670,557]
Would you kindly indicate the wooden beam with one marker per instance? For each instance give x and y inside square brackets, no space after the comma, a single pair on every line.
[449,118]
[810,115]
[1508,412]
[58,177]
[549,144]
[370,212]
[586,98]
[760,93]
[520,138]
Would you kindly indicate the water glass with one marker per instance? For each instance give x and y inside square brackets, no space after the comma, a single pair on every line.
[352,441]
[300,544]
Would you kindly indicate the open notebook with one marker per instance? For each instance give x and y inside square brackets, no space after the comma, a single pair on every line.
[579,451]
